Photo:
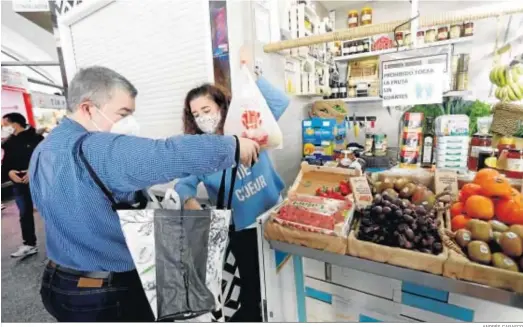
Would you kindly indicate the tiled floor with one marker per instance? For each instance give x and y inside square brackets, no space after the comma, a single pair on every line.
[21,278]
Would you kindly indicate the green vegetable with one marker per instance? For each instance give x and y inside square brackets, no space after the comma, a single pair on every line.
[475,110]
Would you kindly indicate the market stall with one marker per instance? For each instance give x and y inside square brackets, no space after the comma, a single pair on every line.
[435,234]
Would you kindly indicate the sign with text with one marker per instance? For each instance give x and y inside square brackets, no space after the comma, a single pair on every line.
[30,5]
[48,101]
[412,81]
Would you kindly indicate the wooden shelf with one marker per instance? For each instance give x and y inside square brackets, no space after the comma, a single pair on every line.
[401,49]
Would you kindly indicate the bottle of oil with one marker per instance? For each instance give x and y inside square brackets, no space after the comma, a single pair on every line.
[427,149]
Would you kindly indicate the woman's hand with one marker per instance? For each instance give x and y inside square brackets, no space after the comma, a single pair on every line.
[192,204]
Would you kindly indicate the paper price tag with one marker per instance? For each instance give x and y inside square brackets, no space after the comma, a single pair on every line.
[361,191]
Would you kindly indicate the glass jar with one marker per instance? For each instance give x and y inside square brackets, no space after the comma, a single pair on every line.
[513,163]
[478,143]
[443,33]
[420,37]
[399,38]
[468,29]
[506,142]
[352,18]
[455,31]
[430,35]
[366,16]
[407,41]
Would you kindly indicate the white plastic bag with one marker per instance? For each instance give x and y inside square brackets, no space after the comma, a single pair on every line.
[249,115]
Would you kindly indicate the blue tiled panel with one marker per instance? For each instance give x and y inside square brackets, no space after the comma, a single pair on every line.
[318,295]
[425,291]
[444,309]
[364,318]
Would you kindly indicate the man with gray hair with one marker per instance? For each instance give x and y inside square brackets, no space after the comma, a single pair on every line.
[91,275]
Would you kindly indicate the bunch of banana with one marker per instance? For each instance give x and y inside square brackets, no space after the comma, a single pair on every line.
[507,78]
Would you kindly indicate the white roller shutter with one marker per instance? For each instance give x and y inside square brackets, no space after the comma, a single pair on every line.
[162,47]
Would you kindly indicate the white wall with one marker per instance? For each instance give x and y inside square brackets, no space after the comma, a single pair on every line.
[240,23]
[480,50]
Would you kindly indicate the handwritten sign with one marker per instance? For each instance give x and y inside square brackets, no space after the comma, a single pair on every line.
[412,81]
[361,191]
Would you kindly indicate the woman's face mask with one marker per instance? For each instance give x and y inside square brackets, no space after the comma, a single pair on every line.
[208,123]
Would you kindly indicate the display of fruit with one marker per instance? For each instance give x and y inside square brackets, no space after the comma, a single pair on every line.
[501,261]
[405,188]
[479,251]
[397,222]
[511,244]
[459,222]
[489,196]
[339,192]
[508,80]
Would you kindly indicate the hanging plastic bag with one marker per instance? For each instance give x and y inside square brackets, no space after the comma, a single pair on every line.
[249,115]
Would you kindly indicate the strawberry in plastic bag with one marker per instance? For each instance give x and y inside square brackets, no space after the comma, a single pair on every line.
[249,115]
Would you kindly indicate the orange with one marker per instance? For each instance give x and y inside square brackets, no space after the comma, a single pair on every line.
[469,189]
[456,209]
[480,207]
[459,222]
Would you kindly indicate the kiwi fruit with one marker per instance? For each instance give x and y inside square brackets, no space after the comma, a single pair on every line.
[390,192]
[480,230]
[387,183]
[498,226]
[463,237]
[496,236]
[408,190]
[400,183]
[511,244]
[479,252]
[518,230]
[499,260]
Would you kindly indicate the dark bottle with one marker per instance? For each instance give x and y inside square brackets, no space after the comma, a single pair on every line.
[427,151]
[335,90]
[343,90]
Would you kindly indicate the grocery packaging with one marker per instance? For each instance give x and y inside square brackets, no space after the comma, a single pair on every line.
[452,152]
[411,140]
[320,138]
[452,125]
[315,214]
[249,115]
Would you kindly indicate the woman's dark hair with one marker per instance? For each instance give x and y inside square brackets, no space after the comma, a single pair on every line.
[15,118]
[215,93]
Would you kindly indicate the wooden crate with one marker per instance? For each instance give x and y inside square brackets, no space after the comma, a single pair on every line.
[308,180]
[398,256]
[459,267]
[277,232]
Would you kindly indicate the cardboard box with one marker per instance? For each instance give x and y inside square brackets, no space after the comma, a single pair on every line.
[321,136]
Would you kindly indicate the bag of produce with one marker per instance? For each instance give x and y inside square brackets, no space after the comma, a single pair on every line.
[249,115]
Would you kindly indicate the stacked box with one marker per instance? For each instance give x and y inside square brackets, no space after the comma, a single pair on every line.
[321,136]
[452,133]
[410,143]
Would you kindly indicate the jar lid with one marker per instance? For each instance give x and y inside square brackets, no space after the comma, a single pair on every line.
[507,140]
[353,11]
[482,136]
[366,9]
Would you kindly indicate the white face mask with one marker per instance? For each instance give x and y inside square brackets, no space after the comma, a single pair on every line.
[208,123]
[7,131]
[127,125]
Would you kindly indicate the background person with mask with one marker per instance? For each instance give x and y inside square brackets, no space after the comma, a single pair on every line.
[18,147]
[256,190]
[91,275]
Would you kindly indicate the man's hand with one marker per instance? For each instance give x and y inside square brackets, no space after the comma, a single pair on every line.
[192,204]
[13,175]
[25,179]
[248,151]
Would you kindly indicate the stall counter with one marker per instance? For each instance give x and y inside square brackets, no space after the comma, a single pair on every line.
[300,284]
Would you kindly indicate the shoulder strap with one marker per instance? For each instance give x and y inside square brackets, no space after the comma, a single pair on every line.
[94,176]
[234,172]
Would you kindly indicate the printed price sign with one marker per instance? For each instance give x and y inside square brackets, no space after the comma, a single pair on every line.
[361,190]
[413,81]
